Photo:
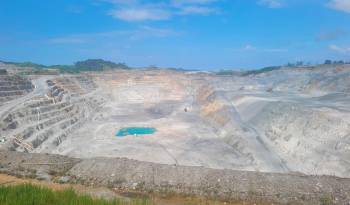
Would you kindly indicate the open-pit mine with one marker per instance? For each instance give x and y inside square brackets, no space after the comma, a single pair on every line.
[290,122]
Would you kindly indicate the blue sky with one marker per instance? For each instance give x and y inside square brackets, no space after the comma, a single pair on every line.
[192,34]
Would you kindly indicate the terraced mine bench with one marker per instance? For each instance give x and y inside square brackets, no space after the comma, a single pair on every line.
[13,86]
[3,72]
[45,120]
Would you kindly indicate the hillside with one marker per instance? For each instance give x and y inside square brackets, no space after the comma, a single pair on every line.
[80,66]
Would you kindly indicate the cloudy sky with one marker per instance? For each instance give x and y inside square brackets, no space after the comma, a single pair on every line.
[192,34]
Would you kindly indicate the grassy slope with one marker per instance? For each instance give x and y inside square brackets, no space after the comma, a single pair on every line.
[27,194]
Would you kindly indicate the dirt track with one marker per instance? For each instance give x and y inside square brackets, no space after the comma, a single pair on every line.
[131,175]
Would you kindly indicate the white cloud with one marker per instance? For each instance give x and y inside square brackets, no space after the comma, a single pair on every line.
[184,2]
[249,48]
[148,32]
[252,48]
[140,14]
[275,50]
[201,10]
[339,49]
[121,1]
[111,36]
[341,5]
[137,10]
[271,3]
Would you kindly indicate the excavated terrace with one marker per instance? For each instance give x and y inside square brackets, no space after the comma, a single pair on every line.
[289,120]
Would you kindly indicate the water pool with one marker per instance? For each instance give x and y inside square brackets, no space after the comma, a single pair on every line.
[135,131]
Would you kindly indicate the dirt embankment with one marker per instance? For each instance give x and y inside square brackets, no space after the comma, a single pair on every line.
[125,174]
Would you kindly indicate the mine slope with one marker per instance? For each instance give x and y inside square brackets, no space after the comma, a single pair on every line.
[286,120]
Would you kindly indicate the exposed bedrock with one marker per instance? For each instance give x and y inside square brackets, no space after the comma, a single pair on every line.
[221,115]
[310,140]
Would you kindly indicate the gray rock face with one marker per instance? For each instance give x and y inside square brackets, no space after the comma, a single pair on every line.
[64,179]
[43,175]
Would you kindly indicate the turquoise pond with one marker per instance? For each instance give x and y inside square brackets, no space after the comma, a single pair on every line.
[135,131]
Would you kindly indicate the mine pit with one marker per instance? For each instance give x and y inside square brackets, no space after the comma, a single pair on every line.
[181,118]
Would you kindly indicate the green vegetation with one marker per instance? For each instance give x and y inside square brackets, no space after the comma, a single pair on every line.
[80,66]
[263,70]
[227,72]
[26,64]
[326,199]
[27,194]
[98,65]
[297,64]
[249,72]
[340,62]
